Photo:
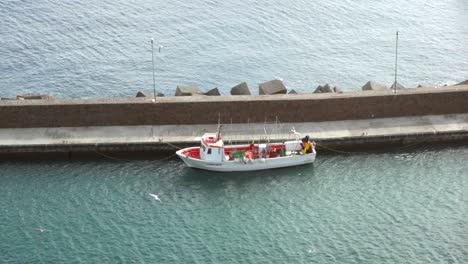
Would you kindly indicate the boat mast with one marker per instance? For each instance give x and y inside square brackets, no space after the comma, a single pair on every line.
[230,138]
[267,137]
[219,127]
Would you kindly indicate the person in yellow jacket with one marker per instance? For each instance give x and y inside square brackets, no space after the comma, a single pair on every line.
[306,145]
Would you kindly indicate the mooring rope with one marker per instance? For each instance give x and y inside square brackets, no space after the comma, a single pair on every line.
[317,144]
[166,158]
[109,157]
[119,159]
[172,145]
[339,151]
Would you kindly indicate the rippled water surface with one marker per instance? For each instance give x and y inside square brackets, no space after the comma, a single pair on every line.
[102,48]
[391,207]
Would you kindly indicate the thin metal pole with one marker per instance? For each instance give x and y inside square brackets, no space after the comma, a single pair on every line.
[396,64]
[152,61]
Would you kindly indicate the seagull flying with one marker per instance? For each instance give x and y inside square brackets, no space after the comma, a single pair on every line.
[155,197]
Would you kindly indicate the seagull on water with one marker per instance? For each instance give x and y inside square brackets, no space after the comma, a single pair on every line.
[155,197]
[40,229]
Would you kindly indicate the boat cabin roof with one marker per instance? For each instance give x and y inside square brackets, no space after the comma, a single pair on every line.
[212,140]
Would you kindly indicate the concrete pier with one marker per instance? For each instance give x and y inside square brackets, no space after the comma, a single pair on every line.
[347,134]
[339,121]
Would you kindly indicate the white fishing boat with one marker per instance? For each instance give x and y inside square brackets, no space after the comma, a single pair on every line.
[213,155]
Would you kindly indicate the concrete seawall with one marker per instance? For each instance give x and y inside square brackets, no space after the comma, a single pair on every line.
[347,120]
[235,109]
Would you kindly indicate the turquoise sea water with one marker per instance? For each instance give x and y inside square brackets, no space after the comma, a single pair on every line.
[390,207]
[394,206]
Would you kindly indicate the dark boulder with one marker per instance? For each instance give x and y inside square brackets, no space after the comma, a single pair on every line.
[272,87]
[187,91]
[462,83]
[213,92]
[373,86]
[319,89]
[398,86]
[292,92]
[324,89]
[159,95]
[337,90]
[240,89]
[143,94]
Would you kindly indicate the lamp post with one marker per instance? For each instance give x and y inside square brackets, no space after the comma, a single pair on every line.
[152,62]
[396,61]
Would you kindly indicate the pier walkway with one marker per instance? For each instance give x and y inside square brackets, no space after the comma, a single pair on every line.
[335,134]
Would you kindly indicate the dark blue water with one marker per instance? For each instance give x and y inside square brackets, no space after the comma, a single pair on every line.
[99,49]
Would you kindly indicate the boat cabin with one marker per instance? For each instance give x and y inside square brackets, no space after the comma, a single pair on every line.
[212,147]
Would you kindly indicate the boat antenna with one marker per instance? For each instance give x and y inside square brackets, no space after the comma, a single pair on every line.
[230,138]
[251,139]
[396,64]
[296,134]
[219,127]
[152,62]
[276,130]
[267,137]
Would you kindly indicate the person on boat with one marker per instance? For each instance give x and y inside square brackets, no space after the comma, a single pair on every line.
[306,145]
[251,146]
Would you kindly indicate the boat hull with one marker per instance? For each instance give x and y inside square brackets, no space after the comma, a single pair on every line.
[248,164]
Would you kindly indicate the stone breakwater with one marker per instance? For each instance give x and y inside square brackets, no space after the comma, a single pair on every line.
[132,124]
[277,87]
